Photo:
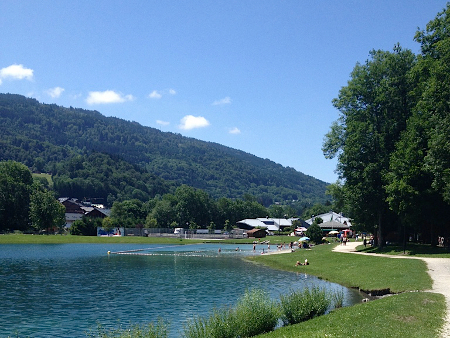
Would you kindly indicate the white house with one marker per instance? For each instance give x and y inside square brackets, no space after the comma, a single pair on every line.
[331,217]
[270,224]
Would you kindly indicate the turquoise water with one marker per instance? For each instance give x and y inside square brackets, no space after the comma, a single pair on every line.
[66,290]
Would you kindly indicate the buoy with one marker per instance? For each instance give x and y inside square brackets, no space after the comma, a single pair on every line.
[109,252]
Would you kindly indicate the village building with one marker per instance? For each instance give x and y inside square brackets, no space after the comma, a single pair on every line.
[256,233]
[75,210]
[270,225]
[332,221]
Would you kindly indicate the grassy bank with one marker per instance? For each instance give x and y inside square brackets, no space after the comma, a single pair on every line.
[358,271]
[408,314]
[411,249]
[417,314]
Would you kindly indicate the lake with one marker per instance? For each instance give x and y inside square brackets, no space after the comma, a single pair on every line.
[68,289]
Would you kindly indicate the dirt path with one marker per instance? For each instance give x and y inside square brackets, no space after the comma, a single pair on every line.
[438,269]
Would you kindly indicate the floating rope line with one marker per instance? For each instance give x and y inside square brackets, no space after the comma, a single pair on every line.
[193,253]
[138,251]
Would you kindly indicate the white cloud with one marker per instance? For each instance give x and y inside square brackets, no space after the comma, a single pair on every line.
[162,123]
[108,96]
[16,72]
[155,95]
[55,92]
[191,122]
[225,100]
[235,130]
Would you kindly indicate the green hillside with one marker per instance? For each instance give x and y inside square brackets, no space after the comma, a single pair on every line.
[90,155]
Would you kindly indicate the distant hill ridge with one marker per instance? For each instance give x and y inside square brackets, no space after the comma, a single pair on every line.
[63,140]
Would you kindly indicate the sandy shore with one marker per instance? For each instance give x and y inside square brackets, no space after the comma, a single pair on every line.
[276,251]
[438,269]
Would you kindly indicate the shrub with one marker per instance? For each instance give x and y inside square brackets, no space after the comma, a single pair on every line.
[299,306]
[338,299]
[255,313]
[87,226]
[315,233]
[220,324]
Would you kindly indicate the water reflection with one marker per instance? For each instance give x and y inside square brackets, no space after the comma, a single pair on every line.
[65,290]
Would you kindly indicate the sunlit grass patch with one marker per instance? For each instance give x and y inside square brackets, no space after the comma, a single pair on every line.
[358,271]
[411,314]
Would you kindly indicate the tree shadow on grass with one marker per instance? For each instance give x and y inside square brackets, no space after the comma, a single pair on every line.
[411,249]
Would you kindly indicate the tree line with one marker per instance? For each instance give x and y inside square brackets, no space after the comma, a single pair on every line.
[30,204]
[392,139]
[188,208]
[24,203]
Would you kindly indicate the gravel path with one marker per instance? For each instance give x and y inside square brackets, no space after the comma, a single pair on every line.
[438,269]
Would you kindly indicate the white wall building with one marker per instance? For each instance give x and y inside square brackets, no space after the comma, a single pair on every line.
[331,217]
[270,224]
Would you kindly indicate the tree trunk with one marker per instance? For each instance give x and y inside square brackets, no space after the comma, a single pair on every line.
[433,237]
[380,236]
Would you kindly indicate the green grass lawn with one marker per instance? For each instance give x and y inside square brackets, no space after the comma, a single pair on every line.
[408,314]
[358,271]
[47,177]
[411,249]
[412,314]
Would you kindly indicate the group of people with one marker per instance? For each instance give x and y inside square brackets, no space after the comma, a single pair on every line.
[298,263]
[443,242]
[370,241]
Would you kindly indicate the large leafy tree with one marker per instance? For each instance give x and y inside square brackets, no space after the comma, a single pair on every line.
[164,211]
[128,213]
[435,98]
[374,108]
[15,188]
[194,205]
[419,179]
[46,213]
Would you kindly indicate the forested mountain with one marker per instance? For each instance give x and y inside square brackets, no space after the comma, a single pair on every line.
[90,155]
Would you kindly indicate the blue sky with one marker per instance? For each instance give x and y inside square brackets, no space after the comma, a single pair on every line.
[258,76]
